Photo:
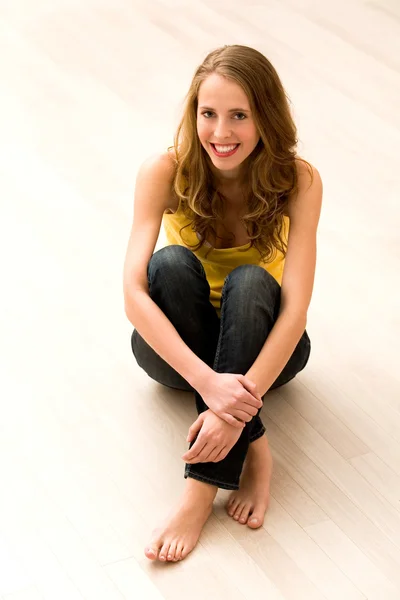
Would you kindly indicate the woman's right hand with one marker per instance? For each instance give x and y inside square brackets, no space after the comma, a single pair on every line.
[232,397]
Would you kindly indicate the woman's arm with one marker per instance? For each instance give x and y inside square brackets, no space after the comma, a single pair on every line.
[152,198]
[230,396]
[297,282]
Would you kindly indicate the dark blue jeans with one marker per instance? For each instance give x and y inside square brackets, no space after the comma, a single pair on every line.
[249,309]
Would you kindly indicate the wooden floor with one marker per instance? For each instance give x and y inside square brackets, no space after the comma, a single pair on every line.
[90,447]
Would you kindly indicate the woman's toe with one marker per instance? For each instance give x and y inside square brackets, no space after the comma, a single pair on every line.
[238,511]
[151,552]
[244,515]
[257,518]
[230,501]
[171,551]
[232,507]
[178,552]
[163,552]
[185,552]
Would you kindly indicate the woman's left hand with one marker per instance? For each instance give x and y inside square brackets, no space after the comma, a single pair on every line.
[215,438]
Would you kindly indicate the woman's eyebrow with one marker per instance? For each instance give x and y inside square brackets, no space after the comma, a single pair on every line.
[230,110]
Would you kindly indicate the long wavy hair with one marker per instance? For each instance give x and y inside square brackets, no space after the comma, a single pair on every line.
[270,172]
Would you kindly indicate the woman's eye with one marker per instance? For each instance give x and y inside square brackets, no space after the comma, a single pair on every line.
[206,114]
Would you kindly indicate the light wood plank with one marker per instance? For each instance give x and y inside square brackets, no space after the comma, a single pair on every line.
[354,523]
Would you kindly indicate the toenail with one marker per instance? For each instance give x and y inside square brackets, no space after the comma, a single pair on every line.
[169,556]
[242,520]
[254,520]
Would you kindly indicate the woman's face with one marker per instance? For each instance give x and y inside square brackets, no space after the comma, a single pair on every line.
[225,124]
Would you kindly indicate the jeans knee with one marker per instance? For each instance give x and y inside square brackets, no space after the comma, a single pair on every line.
[251,281]
[171,260]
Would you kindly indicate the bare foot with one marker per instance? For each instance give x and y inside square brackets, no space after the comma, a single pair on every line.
[179,533]
[252,498]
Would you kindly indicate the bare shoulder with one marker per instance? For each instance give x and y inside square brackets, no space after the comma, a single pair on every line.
[159,171]
[308,175]
[161,165]
[309,190]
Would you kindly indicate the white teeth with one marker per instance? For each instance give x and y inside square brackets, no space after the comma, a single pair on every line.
[225,149]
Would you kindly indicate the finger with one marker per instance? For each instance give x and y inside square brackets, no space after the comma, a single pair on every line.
[244,415]
[195,428]
[203,455]
[194,450]
[231,420]
[213,454]
[250,386]
[253,402]
[254,397]
[244,406]
[221,455]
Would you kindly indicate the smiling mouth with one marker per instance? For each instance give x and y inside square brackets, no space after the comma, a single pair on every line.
[224,150]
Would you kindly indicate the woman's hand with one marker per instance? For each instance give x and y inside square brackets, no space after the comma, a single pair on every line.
[215,438]
[234,398]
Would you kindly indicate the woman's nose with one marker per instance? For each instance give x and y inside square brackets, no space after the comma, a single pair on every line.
[222,131]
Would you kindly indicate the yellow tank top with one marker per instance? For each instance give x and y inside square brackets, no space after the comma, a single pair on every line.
[219,261]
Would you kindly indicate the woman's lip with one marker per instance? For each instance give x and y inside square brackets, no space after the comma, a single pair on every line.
[224,154]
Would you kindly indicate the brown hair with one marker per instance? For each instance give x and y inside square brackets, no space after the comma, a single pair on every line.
[270,170]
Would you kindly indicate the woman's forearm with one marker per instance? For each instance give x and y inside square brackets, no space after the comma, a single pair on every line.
[278,348]
[157,330]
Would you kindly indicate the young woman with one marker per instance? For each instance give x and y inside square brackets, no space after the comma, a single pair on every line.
[221,310]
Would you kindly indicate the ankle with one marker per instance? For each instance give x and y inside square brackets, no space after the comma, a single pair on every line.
[259,444]
[200,488]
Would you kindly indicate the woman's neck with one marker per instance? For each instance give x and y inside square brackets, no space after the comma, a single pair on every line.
[234,197]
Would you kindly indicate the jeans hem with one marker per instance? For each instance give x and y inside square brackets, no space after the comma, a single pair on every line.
[220,484]
[257,435]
